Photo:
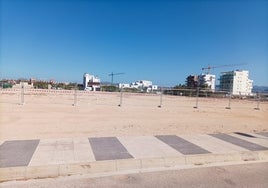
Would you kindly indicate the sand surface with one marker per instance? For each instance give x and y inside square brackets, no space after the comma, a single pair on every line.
[52,115]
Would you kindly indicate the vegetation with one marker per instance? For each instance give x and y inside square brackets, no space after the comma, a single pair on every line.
[45,85]
[110,88]
[40,85]
[132,90]
[5,85]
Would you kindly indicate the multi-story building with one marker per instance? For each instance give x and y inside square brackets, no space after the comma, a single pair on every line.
[192,81]
[91,82]
[207,81]
[236,82]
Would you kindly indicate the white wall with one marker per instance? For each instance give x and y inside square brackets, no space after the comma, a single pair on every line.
[242,85]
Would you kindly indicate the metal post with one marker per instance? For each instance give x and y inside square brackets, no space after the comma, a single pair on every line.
[22,94]
[258,102]
[197,92]
[229,102]
[197,96]
[161,99]
[75,96]
[230,94]
[121,96]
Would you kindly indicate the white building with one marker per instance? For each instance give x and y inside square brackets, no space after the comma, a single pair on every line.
[91,82]
[143,85]
[208,80]
[121,86]
[25,85]
[237,82]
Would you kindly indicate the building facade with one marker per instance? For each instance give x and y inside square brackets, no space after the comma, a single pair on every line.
[207,81]
[142,85]
[236,82]
[91,82]
[192,81]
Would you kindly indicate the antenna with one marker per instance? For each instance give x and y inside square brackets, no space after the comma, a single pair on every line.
[114,74]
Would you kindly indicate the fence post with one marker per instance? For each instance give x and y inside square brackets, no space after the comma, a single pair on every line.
[121,96]
[229,102]
[197,96]
[258,102]
[75,96]
[22,94]
[161,99]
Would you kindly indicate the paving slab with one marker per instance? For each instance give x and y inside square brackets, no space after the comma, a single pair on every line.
[147,146]
[71,156]
[44,153]
[212,144]
[82,150]
[254,139]
[239,142]
[17,152]
[263,134]
[181,145]
[53,151]
[65,144]
[108,148]
[259,136]
[62,151]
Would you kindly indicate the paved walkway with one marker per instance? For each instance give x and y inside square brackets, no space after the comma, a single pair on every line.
[75,150]
[47,152]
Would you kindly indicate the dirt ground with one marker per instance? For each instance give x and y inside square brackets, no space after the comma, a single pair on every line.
[53,115]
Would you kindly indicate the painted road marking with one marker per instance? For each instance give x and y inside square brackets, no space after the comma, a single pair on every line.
[108,148]
[17,152]
[239,142]
[212,144]
[181,145]
[147,147]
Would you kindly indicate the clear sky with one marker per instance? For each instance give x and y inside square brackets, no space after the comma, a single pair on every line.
[159,40]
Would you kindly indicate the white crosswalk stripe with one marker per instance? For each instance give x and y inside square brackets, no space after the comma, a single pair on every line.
[147,146]
[61,151]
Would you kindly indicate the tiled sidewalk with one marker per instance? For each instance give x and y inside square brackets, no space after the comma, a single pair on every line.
[15,153]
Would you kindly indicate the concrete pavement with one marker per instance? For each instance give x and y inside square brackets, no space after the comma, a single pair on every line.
[220,176]
[26,159]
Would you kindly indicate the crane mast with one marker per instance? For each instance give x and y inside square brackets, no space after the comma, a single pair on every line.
[114,74]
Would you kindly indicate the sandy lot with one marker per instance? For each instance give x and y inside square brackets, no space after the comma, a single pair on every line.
[52,115]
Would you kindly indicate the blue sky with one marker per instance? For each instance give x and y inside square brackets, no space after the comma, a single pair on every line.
[162,41]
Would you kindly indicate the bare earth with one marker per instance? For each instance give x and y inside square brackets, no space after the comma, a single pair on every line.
[52,115]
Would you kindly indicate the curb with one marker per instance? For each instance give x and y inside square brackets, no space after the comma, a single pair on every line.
[52,171]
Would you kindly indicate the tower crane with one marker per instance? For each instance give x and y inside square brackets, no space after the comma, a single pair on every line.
[208,68]
[114,74]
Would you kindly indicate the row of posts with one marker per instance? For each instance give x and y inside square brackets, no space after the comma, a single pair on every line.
[160,103]
[196,102]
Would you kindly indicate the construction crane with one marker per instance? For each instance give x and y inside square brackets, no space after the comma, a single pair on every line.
[114,74]
[208,68]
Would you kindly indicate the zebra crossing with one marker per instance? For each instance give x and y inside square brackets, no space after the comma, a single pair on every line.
[16,153]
